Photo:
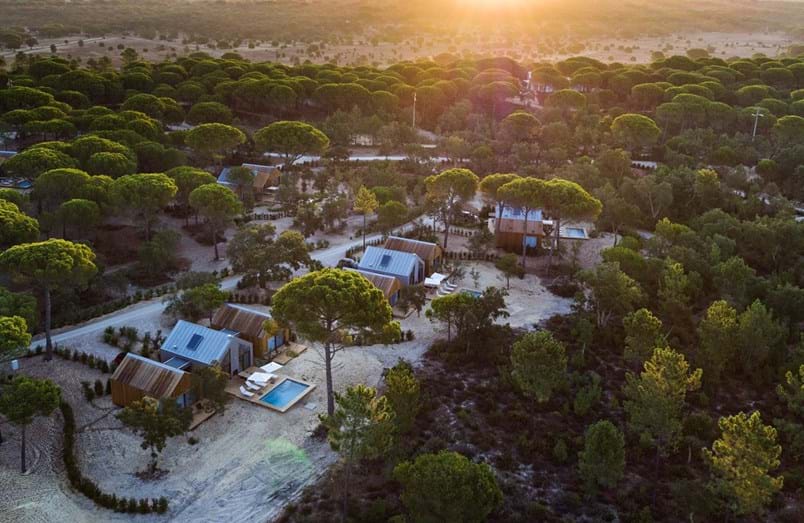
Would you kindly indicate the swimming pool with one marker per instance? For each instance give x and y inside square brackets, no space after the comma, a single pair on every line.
[575,232]
[284,395]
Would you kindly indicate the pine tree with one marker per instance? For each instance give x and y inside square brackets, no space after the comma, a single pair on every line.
[740,461]
[602,460]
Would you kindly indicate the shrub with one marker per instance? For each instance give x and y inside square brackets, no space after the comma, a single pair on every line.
[587,396]
[86,486]
[560,453]
[89,392]
[99,389]
[108,386]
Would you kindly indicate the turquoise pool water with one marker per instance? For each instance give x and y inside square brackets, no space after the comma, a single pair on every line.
[284,393]
[574,232]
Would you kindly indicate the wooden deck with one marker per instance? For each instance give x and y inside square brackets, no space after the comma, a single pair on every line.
[291,350]
[200,415]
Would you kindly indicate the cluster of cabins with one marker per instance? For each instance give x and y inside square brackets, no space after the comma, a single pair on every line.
[400,262]
[235,339]
[237,336]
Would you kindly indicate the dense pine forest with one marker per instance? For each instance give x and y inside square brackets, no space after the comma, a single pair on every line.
[673,390]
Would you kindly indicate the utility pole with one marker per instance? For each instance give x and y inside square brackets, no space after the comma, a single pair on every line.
[414,110]
[757,116]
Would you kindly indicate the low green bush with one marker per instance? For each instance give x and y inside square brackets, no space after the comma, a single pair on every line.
[88,488]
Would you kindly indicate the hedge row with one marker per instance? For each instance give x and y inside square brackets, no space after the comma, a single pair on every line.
[88,487]
[80,357]
[469,255]
[359,248]
[71,317]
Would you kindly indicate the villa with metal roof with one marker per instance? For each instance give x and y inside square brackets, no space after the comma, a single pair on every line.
[389,285]
[406,267]
[190,345]
[249,324]
[508,225]
[137,377]
[429,252]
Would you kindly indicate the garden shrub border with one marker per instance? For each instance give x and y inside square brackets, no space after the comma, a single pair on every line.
[89,488]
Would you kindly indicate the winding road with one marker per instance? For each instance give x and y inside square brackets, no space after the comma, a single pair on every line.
[328,257]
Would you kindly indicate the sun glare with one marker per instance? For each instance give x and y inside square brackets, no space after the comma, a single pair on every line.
[491,4]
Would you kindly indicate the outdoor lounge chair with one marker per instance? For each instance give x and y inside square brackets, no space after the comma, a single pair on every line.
[245,393]
[271,367]
[253,386]
[261,378]
[450,286]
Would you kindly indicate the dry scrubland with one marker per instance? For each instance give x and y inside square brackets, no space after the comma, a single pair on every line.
[625,50]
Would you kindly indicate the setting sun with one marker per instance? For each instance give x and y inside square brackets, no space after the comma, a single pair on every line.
[492,4]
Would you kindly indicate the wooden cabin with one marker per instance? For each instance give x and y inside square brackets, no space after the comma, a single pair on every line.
[509,229]
[389,285]
[248,324]
[430,253]
[137,377]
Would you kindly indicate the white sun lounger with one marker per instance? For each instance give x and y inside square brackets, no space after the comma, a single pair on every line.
[261,378]
[271,367]
[253,386]
[245,393]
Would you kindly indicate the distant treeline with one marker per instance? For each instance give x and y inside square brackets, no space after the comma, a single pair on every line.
[340,20]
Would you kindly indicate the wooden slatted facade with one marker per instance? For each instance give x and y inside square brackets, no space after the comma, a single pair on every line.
[137,377]
[389,285]
[430,253]
[248,324]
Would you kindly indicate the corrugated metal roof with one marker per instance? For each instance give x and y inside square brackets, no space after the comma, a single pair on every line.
[263,174]
[424,250]
[240,319]
[211,347]
[389,262]
[151,377]
[387,284]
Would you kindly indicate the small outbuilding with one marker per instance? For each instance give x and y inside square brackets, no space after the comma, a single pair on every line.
[406,267]
[249,324]
[265,177]
[430,253]
[389,285]
[190,346]
[137,377]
